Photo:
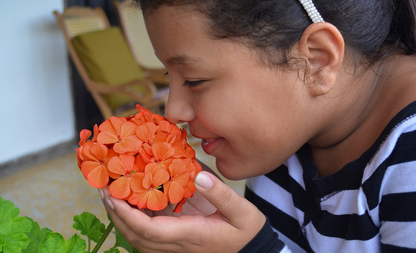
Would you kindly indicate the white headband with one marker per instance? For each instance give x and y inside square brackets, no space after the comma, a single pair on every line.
[313,13]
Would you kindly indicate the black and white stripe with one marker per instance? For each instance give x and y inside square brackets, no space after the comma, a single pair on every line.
[368,206]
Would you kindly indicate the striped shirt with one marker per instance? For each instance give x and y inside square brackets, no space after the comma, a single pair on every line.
[367,206]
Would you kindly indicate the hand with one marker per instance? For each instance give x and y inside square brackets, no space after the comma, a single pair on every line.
[215,219]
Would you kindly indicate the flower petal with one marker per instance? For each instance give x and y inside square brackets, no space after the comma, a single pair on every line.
[127,129]
[140,163]
[139,199]
[99,151]
[120,188]
[175,193]
[128,144]
[160,177]
[98,178]
[116,166]
[106,137]
[83,136]
[88,166]
[179,206]
[146,132]
[136,182]
[162,151]
[157,200]
[96,132]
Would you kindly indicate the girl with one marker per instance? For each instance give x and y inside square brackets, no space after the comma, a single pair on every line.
[314,106]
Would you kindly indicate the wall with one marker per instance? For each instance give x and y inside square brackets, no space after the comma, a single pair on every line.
[35,93]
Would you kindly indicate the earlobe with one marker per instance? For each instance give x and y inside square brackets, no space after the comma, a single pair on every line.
[322,46]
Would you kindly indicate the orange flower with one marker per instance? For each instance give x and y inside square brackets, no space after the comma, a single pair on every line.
[124,171]
[94,167]
[148,159]
[120,133]
[140,163]
[148,133]
[160,155]
[143,116]
[174,189]
[194,168]
[148,194]
[83,136]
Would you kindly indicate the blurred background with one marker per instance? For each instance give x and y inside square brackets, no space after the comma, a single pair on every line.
[41,117]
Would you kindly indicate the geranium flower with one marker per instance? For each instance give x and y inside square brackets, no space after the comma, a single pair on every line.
[148,159]
[174,137]
[120,133]
[148,194]
[94,167]
[140,163]
[126,173]
[174,189]
[143,116]
[84,136]
[160,155]
[148,133]
[194,168]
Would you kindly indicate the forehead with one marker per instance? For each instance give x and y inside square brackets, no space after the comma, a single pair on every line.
[179,34]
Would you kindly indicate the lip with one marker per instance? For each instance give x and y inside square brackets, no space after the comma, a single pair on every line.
[210,145]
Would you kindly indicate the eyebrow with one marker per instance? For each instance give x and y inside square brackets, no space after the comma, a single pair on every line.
[183,60]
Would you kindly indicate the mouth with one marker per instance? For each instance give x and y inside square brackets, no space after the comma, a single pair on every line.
[210,145]
[207,141]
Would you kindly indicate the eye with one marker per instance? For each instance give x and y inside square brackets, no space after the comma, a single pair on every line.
[193,83]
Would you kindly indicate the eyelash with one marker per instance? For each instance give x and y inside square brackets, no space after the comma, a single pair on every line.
[191,83]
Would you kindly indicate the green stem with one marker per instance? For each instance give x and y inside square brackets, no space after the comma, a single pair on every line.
[103,237]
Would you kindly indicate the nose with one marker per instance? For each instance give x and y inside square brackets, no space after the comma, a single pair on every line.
[179,107]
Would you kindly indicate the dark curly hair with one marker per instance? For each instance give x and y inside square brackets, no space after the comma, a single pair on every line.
[372,29]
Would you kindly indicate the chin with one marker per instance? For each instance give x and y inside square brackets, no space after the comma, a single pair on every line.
[225,171]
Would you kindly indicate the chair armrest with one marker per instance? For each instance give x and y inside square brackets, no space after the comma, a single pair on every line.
[96,87]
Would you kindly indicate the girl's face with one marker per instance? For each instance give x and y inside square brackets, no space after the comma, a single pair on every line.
[251,117]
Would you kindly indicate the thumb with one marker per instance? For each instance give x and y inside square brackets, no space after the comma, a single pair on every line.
[238,210]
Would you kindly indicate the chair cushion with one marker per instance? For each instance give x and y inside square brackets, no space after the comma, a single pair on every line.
[108,59]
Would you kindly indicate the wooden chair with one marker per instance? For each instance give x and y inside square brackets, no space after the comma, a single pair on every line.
[112,93]
[132,23]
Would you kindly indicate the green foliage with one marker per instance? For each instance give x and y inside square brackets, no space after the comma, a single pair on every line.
[24,235]
[121,242]
[112,250]
[89,225]
[36,236]
[13,228]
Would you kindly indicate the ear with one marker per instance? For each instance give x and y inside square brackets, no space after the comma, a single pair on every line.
[322,45]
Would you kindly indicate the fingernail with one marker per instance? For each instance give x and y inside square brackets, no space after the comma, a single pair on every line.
[100,191]
[203,180]
[109,203]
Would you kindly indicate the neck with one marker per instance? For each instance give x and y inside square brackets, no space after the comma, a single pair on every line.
[360,112]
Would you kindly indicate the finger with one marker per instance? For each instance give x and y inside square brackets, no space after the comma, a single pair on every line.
[239,211]
[143,224]
[109,206]
[132,223]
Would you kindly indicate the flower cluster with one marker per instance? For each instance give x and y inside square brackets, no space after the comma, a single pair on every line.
[144,158]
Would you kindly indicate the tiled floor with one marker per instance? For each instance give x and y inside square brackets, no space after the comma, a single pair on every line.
[53,192]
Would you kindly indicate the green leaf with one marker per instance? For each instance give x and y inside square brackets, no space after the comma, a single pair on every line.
[76,244]
[53,242]
[13,228]
[2,242]
[89,225]
[36,236]
[10,222]
[15,242]
[112,250]
[122,242]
